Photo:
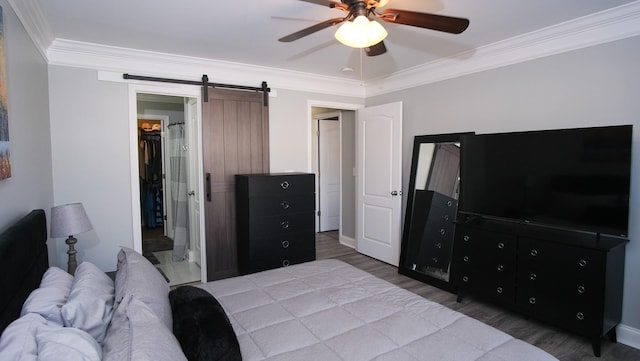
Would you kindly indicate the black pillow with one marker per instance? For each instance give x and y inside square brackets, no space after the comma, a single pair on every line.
[201,326]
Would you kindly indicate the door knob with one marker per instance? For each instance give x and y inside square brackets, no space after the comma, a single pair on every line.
[395,193]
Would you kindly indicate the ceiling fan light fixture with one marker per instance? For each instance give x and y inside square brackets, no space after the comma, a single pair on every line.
[360,33]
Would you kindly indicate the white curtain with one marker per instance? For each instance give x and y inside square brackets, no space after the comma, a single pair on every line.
[178,187]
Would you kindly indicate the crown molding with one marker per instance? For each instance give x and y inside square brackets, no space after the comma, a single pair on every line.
[34,22]
[606,26]
[109,58]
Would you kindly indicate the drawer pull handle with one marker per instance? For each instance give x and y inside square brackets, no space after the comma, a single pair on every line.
[285,205]
[534,252]
[285,263]
[435,259]
[284,224]
[449,203]
[285,244]
[442,231]
[445,217]
[582,263]
[580,316]
[465,279]
[533,276]
[466,238]
[532,300]
[465,258]
[499,289]
[438,245]
[284,184]
[581,289]
[500,267]
[501,245]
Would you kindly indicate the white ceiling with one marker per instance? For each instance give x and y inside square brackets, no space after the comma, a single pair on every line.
[246,31]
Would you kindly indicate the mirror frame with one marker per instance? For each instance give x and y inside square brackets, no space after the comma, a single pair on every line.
[402,268]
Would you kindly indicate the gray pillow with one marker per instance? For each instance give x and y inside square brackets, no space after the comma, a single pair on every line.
[136,276]
[137,334]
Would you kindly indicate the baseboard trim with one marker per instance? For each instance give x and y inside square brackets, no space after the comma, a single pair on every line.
[628,335]
[348,241]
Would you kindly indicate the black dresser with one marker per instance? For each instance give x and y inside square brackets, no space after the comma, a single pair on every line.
[569,278]
[275,220]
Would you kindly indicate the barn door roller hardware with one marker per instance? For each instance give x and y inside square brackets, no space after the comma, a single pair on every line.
[205,85]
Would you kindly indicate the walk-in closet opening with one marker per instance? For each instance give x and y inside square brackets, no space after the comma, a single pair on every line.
[164,170]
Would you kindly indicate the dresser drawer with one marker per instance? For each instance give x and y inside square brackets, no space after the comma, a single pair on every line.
[560,261]
[264,263]
[271,243]
[500,291]
[550,280]
[278,184]
[281,224]
[282,252]
[475,240]
[282,204]
[576,313]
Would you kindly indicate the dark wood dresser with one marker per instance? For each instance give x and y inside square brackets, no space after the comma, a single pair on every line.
[571,279]
[275,220]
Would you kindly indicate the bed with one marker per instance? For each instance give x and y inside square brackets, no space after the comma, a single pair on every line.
[320,310]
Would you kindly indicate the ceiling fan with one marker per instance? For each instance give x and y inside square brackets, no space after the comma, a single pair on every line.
[360,14]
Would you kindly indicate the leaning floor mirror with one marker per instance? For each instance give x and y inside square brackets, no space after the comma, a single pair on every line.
[432,203]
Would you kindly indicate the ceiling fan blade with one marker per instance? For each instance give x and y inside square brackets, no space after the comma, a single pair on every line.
[443,23]
[329,3]
[310,30]
[375,50]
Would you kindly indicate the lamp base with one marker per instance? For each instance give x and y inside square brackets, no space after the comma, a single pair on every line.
[72,264]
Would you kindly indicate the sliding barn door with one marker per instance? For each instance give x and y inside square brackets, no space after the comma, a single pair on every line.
[235,138]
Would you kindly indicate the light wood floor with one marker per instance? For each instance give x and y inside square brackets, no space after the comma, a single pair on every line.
[564,346]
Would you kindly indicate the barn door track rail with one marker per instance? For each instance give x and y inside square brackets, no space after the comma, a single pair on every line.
[205,85]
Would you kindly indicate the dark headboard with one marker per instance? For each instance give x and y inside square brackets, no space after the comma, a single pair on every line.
[23,261]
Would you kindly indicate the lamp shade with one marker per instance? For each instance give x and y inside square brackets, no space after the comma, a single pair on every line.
[360,33]
[68,220]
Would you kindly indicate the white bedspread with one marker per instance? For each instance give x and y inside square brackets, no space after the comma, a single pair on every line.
[329,310]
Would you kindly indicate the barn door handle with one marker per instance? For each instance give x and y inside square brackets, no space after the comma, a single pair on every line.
[208,186]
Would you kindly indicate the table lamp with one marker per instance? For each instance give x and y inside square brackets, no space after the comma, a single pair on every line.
[68,220]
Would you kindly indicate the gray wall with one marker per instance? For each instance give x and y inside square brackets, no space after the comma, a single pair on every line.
[596,86]
[90,141]
[30,185]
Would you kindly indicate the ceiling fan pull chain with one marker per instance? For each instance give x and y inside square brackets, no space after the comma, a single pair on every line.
[361,68]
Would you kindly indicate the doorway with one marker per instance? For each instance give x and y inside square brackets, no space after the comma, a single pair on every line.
[335,187]
[376,158]
[168,240]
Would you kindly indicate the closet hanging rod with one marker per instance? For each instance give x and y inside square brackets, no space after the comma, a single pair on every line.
[205,85]
[176,123]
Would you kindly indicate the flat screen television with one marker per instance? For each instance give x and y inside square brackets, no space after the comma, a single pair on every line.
[570,178]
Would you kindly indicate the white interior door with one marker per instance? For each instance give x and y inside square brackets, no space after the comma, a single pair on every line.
[191,127]
[329,173]
[379,181]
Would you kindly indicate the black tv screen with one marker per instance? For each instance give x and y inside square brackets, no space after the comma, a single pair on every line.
[570,178]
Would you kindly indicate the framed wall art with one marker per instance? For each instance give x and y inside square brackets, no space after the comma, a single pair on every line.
[5,165]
